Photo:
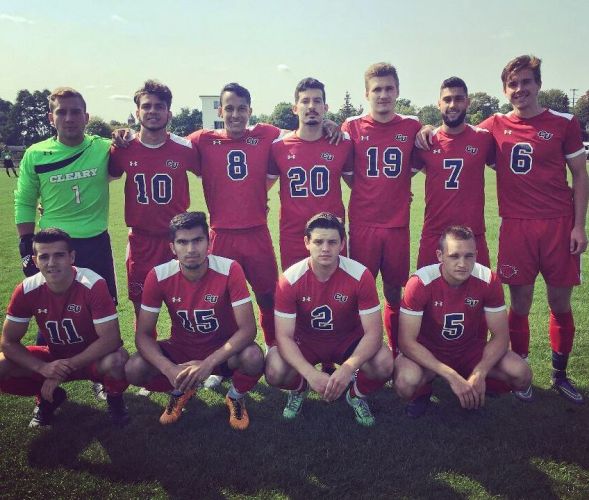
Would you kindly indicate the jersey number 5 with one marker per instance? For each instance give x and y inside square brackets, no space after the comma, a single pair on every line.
[453,326]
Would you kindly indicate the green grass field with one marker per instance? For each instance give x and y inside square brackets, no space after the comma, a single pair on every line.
[508,450]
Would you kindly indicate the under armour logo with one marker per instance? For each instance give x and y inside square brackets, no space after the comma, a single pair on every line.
[176,299]
[545,135]
[364,137]
[291,157]
[507,132]
[306,299]
[39,311]
[436,151]
[217,141]
[438,303]
[132,163]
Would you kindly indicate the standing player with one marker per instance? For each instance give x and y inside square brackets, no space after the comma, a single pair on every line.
[543,219]
[77,317]
[213,326]
[156,184]
[327,310]
[439,331]
[9,164]
[380,199]
[454,170]
[310,170]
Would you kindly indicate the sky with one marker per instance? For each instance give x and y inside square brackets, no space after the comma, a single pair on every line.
[107,49]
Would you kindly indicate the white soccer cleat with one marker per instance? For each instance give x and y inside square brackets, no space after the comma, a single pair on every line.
[213,382]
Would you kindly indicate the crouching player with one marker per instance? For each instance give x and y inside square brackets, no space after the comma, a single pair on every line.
[76,315]
[327,311]
[440,333]
[213,326]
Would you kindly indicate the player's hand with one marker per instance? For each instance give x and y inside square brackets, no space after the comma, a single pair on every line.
[171,373]
[122,137]
[478,383]
[464,392]
[332,131]
[423,139]
[59,369]
[578,240]
[25,249]
[318,382]
[338,381]
[49,385]
[193,373]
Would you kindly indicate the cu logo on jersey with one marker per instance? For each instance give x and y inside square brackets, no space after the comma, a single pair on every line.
[172,164]
[327,156]
[209,297]
[542,134]
[340,297]
[74,308]
[401,138]
[469,301]
[472,150]
[252,141]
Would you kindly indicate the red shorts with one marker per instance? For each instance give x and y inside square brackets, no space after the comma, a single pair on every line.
[428,244]
[89,372]
[384,249]
[464,361]
[530,246]
[144,252]
[292,250]
[179,355]
[328,352]
[254,251]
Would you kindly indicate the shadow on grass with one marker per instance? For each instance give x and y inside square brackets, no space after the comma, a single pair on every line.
[504,450]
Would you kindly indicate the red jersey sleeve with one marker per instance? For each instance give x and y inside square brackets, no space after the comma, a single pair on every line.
[237,285]
[488,123]
[572,142]
[115,167]
[152,296]
[368,301]
[494,301]
[414,297]
[348,167]
[273,169]
[102,307]
[194,138]
[19,310]
[285,299]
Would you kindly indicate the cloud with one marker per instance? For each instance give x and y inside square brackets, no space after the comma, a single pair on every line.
[283,67]
[16,19]
[118,19]
[121,97]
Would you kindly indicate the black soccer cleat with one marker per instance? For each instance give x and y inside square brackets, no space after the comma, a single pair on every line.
[44,410]
[117,409]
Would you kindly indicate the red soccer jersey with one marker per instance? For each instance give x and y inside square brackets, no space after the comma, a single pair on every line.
[451,316]
[156,184]
[326,312]
[310,179]
[234,175]
[66,320]
[382,174]
[201,311]
[455,179]
[531,158]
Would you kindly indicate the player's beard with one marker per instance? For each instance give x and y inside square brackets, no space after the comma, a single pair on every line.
[456,122]
[146,126]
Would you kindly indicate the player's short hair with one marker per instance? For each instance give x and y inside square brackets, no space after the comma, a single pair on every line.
[309,83]
[519,63]
[188,220]
[63,92]
[458,233]
[155,88]
[238,90]
[325,220]
[52,235]
[381,69]
[454,82]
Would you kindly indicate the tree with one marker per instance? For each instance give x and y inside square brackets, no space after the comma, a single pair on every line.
[262,118]
[5,107]
[554,99]
[347,110]
[582,110]
[97,126]
[430,115]
[283,117]
[505,108]
[404,107]
[482,105]
[27,121]
[186,122]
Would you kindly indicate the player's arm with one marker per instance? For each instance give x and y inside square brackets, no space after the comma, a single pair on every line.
[11,346]
[578,168]
[424,138]
[26,197]
[109,340]
[245,335]
[409,326]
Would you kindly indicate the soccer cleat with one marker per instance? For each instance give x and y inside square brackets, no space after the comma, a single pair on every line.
[98,391]
[294,403]
[526,395]
[213,381]
[566,388]
[361,410]
[238,417]
[175,406]
[144,392]
[117,409]
[418,406]
[44,410]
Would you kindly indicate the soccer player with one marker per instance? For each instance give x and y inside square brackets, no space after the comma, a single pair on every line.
[77,317]
[380,199]
[9,164]
[213,326]
[439,329]
[156,184]
[327,310]
[310,169]
[454,170]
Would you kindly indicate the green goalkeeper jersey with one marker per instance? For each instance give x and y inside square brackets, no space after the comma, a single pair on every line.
[72,183]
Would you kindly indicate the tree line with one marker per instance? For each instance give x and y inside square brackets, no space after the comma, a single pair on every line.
[24,122]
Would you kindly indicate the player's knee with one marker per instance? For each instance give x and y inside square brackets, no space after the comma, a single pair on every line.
[275,370]
[252,359]
[5,367]
[521,298]
[522,378]
[383,365]
[135,369]
[406,380]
